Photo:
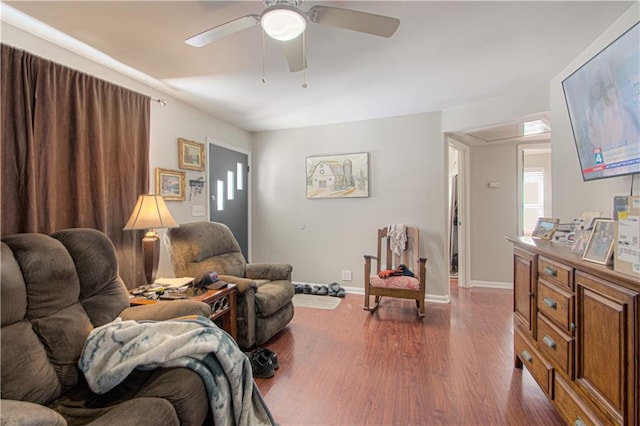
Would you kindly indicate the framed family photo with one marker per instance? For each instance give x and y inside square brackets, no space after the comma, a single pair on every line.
[170,184]
[580,241]
[190,155]
[600,245]
[545,228]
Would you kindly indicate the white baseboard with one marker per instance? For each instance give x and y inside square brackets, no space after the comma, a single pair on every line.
[491,284]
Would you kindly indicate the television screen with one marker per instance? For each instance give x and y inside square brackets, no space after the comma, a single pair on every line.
[603,99]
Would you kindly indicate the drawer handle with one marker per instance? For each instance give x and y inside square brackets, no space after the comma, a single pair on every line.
[527,356]
[550,303]
[549,342]
[550,271]
[579,422]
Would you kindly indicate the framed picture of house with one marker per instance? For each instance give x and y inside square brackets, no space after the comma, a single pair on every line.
[170,184]
[338,176]
[190,155]
[545,228]
[600,245]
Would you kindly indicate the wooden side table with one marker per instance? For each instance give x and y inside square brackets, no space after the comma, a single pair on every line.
[222,302]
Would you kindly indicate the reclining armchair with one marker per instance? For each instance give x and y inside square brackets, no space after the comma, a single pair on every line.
[265,291]
[55,289]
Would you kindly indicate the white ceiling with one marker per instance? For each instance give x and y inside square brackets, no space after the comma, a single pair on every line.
[444,54]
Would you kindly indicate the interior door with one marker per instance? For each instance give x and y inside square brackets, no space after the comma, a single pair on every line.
[229,202]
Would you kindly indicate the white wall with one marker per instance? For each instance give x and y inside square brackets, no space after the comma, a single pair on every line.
[493,214]
[570,194]
[322,237]
[168,123]
[497,110]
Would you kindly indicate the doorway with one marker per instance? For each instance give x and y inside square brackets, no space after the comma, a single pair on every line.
[229,192]
[458,172]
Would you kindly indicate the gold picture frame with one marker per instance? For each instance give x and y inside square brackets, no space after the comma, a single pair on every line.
[545,228]
[170,184]
[600,245]
[190,155]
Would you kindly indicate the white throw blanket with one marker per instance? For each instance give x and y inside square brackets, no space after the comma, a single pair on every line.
[397,234]
[114,350]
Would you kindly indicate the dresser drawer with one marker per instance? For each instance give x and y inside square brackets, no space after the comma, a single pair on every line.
[556,304]
[540,369]
[556,272]
[556,345]
[571,407]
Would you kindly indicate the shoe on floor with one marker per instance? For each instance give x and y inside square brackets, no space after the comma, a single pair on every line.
[315,289]
[298,288]
[307,289]
[261,366]
[333,289]
[272,356]
[323,290]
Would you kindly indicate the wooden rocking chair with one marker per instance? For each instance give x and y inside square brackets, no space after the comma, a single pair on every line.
[392,282]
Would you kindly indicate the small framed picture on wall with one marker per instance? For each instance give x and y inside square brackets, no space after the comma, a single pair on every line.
[170,184]
[190,155]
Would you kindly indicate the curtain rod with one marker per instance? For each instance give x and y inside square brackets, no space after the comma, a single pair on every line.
[160,101]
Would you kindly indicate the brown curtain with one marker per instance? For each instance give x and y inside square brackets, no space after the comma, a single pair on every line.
[75,153]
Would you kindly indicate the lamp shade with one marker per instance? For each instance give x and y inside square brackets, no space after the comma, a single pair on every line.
[283,22]
[150,212]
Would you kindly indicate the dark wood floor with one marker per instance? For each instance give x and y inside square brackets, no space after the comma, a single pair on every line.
[454,367]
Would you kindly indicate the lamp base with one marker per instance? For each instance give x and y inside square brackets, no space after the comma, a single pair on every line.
[151,255]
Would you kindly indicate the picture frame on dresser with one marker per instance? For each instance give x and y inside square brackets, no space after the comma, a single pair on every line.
[600,246]
[580,241]
[545,228]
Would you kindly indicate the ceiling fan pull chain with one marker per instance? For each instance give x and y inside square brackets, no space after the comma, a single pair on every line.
[304,56]
[264,80]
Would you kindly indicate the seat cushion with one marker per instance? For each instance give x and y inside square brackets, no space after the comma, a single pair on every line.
[273,296]
[400,281]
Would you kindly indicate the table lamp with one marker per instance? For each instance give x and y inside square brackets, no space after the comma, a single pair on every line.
[150,213]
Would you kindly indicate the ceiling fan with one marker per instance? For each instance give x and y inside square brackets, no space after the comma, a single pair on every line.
[284,20]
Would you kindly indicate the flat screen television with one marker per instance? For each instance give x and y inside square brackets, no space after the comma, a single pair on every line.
[603,99]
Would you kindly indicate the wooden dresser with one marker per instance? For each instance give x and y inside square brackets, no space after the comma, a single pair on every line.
[576,329]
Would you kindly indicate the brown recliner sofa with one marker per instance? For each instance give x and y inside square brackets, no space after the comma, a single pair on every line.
[54,291]
[265,291]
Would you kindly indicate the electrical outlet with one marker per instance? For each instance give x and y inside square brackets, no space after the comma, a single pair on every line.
[346,275]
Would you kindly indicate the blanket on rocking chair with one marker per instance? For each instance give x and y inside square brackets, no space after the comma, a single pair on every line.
[114,350]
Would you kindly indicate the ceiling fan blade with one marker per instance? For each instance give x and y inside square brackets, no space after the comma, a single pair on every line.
[294,49]
[223,30]
[383,26]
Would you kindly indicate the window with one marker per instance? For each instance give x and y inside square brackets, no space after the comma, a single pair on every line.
[231,188]
[532,198]
[240,181]
[220,195]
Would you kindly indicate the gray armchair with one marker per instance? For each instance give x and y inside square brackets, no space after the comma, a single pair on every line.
[54,291]
[265,291]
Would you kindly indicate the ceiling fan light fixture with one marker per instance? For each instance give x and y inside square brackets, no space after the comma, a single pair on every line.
[283,22]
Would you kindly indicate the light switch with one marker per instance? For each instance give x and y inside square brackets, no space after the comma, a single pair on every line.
[197,211]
